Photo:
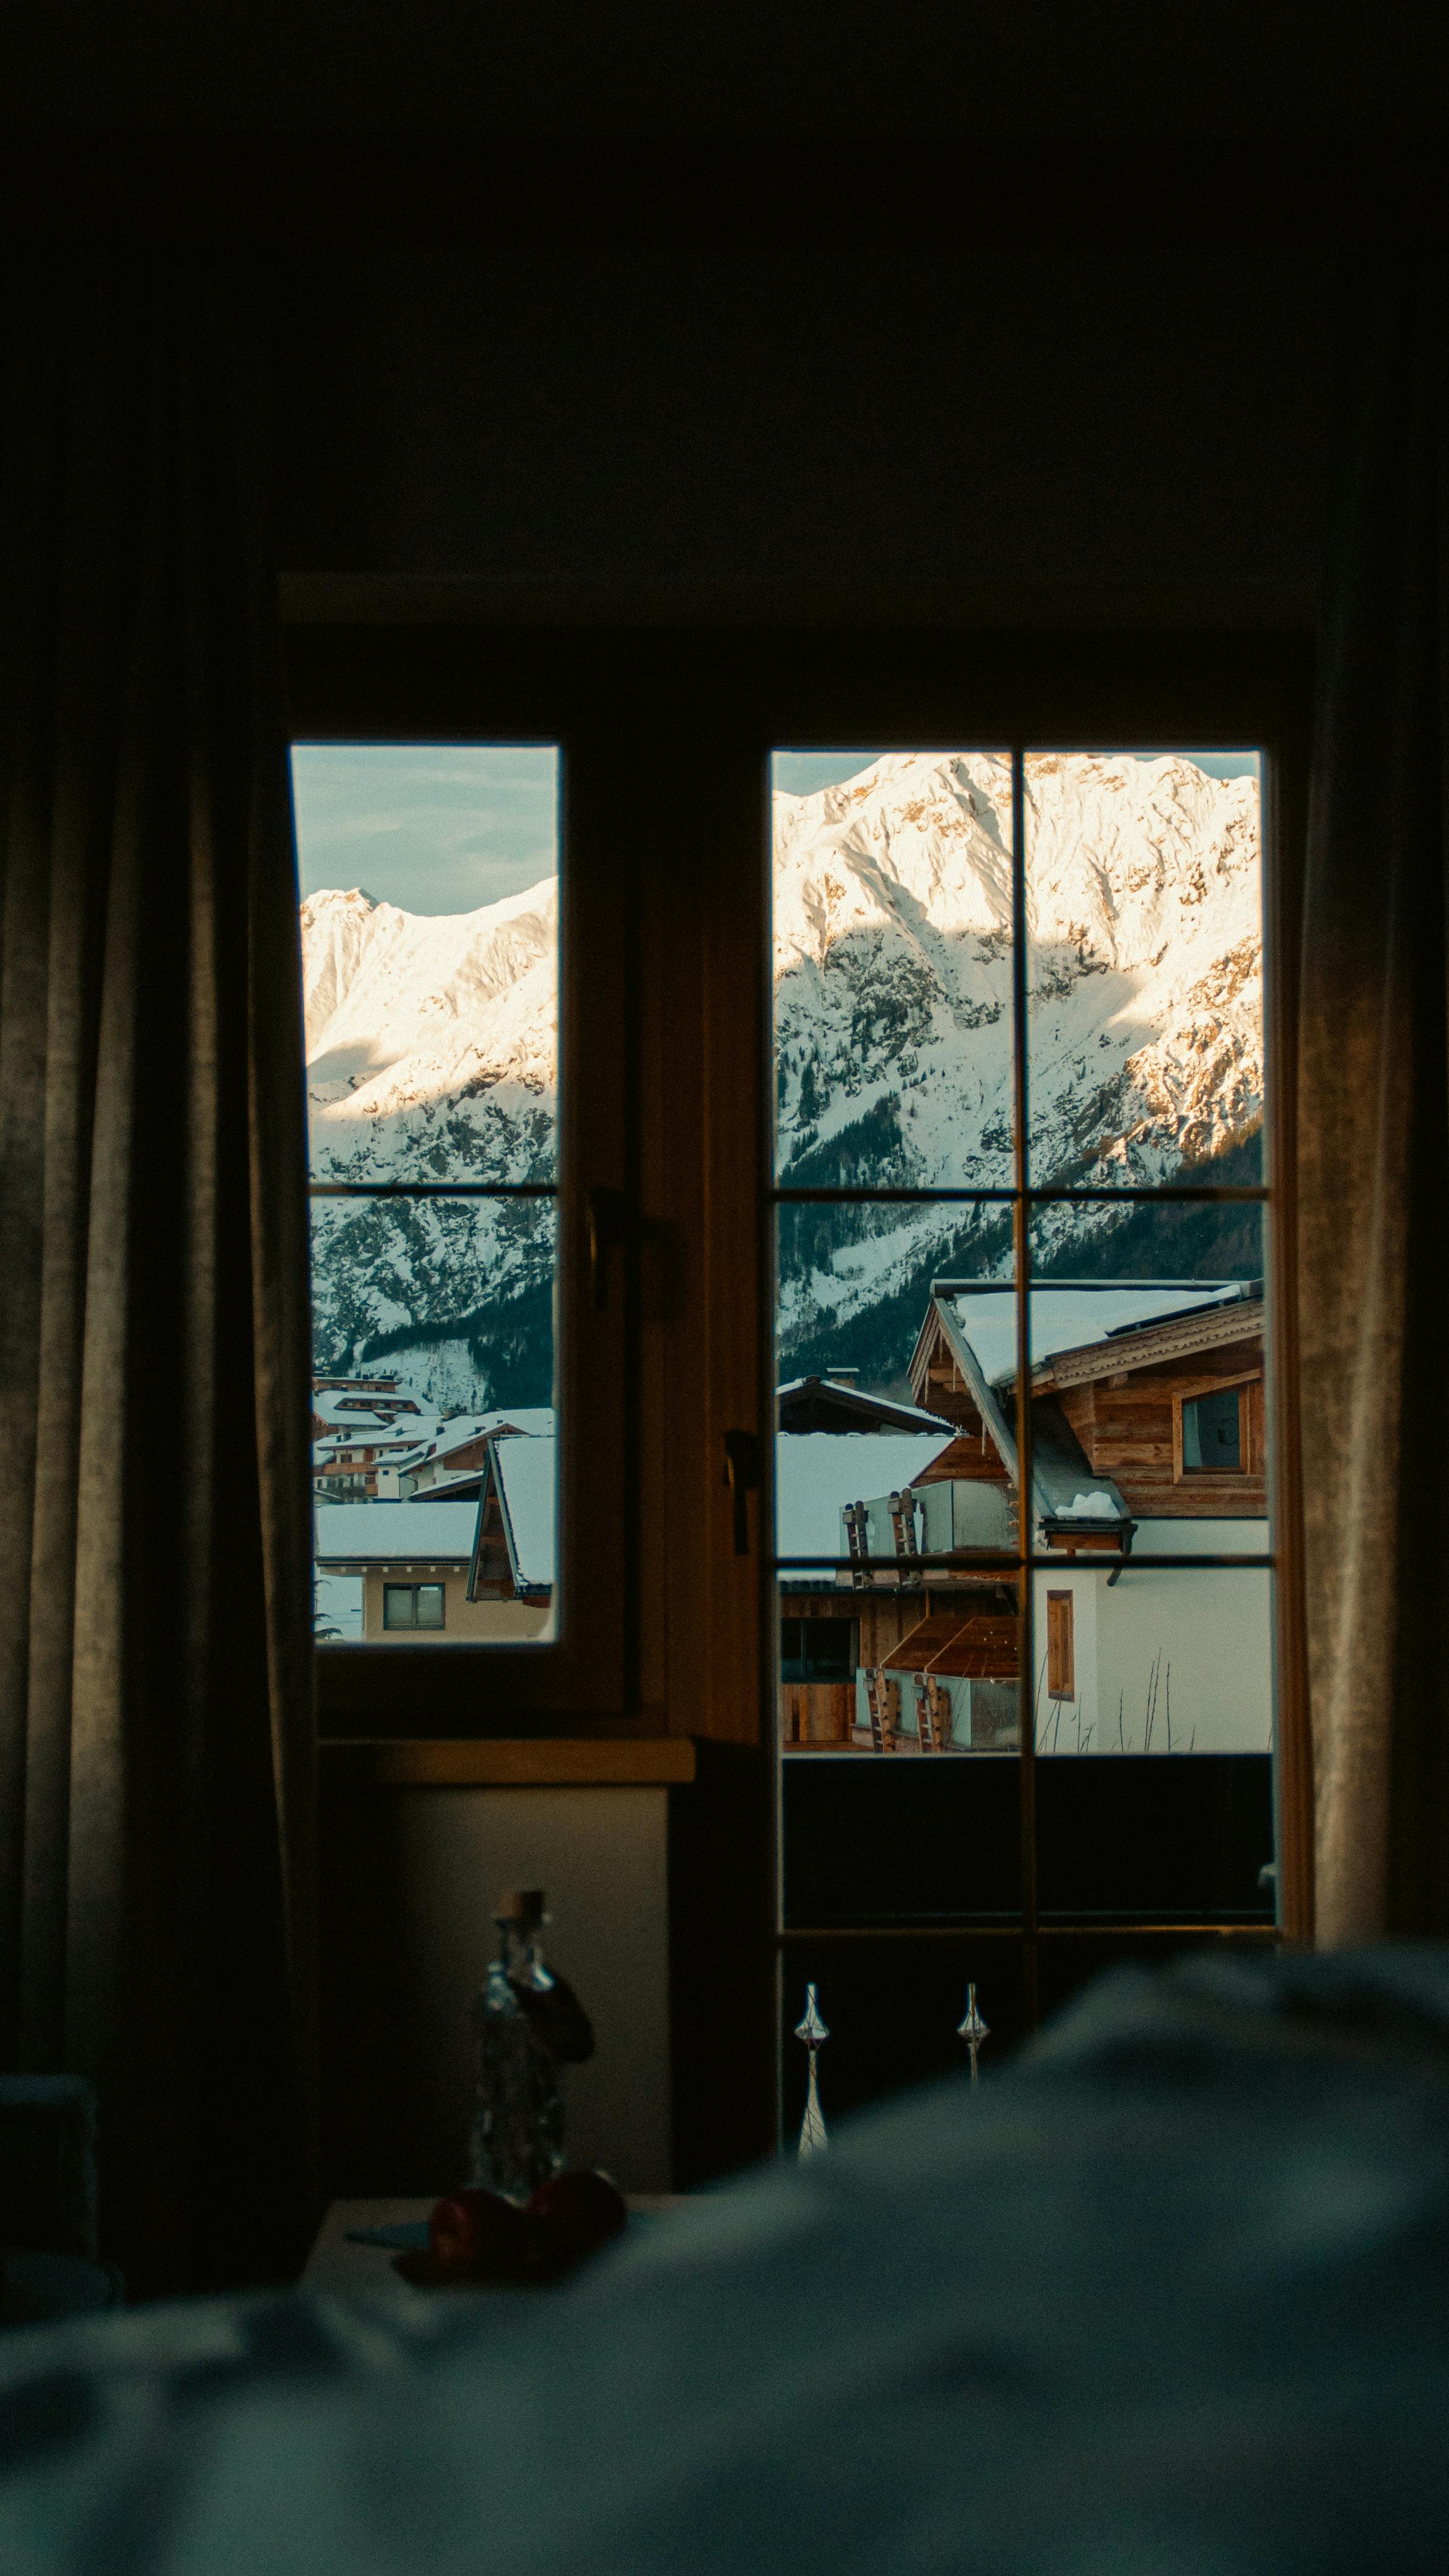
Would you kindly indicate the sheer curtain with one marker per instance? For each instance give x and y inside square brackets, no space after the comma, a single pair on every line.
[155,1718]
[1374,1146]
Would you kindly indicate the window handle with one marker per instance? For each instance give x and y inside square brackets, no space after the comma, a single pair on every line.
[742,1475]
[605,1210]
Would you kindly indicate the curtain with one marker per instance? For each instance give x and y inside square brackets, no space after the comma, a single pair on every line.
[155,1658]
[1374,1148]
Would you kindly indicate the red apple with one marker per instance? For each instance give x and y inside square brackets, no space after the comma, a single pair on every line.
[480,2233]
[572,2216]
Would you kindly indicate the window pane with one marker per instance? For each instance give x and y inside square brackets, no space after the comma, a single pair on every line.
[430,953]
[892,969]
[1154,1779]
[1145,1012]
[430,959]
[881,1459]
[900,1840]
[1149,1375]
[452,1298]
[853,1282]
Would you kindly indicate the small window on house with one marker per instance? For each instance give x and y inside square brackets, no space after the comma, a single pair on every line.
[817,1650]
[1212,1433]
[412,1605]
[1061,1675]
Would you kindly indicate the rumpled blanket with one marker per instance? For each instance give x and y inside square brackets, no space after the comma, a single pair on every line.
[1168,2296]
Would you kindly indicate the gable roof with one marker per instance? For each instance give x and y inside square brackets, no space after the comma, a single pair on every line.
[521,1476]
[364,1534]
[1067,1493]
[1078,1319]
[818,1472]
[527,1474]
[815,1404]
[1082,1329]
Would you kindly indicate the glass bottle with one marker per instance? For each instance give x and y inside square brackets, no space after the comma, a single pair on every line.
[526,2022]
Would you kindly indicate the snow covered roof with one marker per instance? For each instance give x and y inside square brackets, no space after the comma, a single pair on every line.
[526,1472]
[336,1405]
[807,1404]
[1071,1317]
[536,1421]
[818,1472]
[386,1442]
[1064,1486]
[395,1533]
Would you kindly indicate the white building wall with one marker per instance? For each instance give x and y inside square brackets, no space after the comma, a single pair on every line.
[1194,1648]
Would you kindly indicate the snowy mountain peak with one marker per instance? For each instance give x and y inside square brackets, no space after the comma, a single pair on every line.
[432,1049]
[411,1017]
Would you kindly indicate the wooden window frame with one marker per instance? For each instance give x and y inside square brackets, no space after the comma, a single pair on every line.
[1230,1478]
[1061,1656]
[401,1627]
[398,684]
[1100,692]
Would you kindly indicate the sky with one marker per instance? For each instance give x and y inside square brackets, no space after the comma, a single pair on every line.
[431,827]
[805,773]
[447,827]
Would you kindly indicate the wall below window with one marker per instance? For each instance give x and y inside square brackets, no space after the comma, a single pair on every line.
[409,1877]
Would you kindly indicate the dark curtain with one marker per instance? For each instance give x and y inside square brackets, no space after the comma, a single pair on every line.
[1374,1145]
[156,1752]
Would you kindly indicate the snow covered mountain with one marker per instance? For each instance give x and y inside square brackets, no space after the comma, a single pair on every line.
[432,1054]
[893,983]
[432,1051]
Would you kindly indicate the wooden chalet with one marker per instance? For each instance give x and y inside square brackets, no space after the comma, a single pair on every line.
[1147,1412]
[1147,1399]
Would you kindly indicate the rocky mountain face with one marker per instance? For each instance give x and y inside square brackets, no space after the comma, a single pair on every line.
[432,1056]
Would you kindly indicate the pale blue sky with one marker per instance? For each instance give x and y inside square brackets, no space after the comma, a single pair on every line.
[431,827]
[446,827]
[805,773]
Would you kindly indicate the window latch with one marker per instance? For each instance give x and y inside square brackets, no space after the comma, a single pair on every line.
[742,1475]
[606,1221]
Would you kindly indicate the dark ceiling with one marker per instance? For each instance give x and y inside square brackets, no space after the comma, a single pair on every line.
[768,68]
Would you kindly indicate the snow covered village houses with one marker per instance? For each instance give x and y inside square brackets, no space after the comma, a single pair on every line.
[476,1570]
[1149,1436]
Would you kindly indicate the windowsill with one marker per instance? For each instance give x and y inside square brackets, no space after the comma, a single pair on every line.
[514,1762]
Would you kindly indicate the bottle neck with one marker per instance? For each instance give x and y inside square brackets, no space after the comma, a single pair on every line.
[519,1960]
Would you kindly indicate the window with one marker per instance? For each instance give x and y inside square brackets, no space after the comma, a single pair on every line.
[413,1605]
[459,974]
[1215,1431]
[817,1650]
[431,995]
[950,1184]
[1061,1683]
[1021,1083]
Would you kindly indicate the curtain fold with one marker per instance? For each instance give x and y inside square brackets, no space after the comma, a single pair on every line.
[1373,1089]
[156,1746]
